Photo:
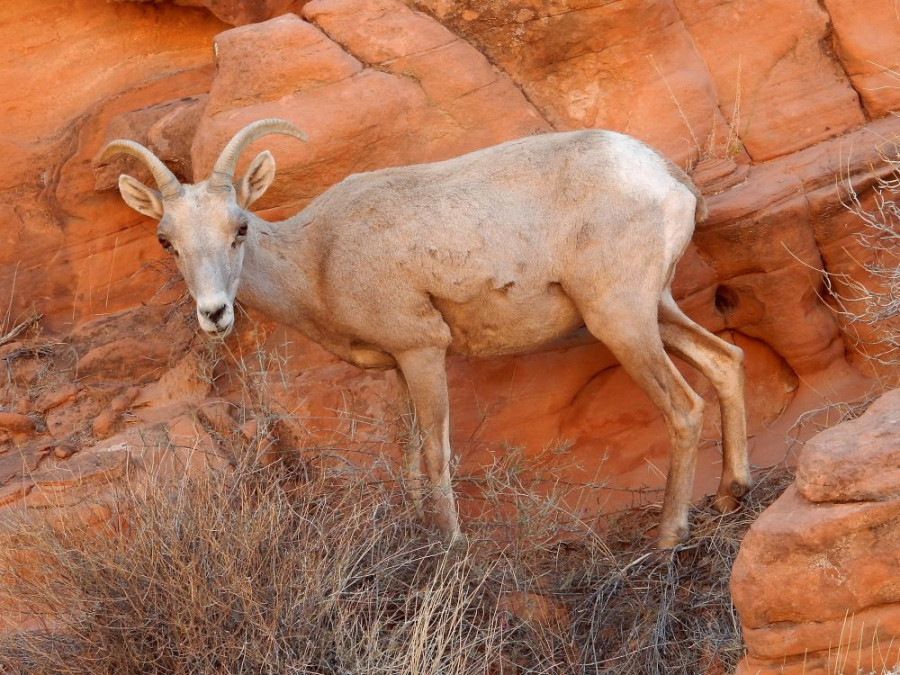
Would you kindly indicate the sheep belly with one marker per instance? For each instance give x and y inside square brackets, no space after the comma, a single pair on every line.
[507,320]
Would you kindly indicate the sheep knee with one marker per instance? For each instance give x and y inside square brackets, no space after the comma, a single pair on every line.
[687,421]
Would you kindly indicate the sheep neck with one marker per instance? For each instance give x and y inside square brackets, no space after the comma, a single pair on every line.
[275,265]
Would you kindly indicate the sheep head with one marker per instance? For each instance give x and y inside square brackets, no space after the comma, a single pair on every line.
[204,225]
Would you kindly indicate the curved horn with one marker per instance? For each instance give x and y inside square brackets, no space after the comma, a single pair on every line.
[165,180]
[223,171]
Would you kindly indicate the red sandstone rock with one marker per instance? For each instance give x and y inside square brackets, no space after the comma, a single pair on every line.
[14,491]
[771,65]
[180,389]
[73,417]
[187,434]
[631,67]
[86,62]
[16,422]
[849,258]
[104,424]
[186,450]
[64,450]
[135,357]
[20,461]
[167,129]
[857,461]
[766,279]
[297,56]
[103,464]
[717,174]
[815,579]
[379,32]
[409,108]
[55,397]
[866,34]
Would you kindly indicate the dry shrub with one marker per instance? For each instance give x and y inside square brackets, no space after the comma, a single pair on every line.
[251,573]
[630,609]
[266,570]
[654,612]
[875,304]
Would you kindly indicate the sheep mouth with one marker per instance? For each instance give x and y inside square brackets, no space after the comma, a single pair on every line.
[219,334]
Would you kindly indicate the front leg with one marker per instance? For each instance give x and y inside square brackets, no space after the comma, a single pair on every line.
[412,451]
[426,378]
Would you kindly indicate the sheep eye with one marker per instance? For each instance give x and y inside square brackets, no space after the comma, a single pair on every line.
[240,236]
[165,243]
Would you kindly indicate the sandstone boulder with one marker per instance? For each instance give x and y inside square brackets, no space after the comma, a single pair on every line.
[817,579]
[857,461]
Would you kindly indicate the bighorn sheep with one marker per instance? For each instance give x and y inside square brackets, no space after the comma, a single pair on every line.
[493,252]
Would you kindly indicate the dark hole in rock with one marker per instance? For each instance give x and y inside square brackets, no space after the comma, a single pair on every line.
[726,300]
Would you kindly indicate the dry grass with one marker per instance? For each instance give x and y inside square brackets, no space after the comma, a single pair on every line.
[29,323]
[272,570]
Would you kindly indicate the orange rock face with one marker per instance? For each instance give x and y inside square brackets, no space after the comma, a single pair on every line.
[817,579]
[376,86]
[627,66]
[771,104]
[866,35]
[772,68]
[69,68]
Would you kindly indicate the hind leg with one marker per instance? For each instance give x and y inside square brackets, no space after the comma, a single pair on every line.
[629,328]
[722,364]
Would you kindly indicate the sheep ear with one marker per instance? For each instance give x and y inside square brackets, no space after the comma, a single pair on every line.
[257,179]
[141,198]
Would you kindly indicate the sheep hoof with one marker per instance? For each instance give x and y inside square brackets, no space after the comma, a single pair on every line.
[725,503]
[669,540]
[457,543]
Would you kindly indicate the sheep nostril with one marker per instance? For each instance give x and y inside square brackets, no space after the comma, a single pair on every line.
[216,314]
